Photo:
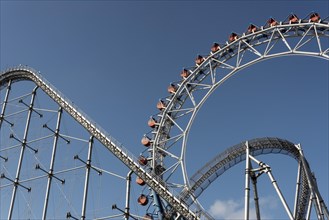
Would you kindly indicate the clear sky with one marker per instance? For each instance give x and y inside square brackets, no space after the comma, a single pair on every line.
[115,59]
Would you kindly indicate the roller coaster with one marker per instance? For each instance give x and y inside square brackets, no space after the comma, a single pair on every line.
[38,170]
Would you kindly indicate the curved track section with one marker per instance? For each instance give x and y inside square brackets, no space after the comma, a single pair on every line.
[236,154]
[163,168]
[10,76]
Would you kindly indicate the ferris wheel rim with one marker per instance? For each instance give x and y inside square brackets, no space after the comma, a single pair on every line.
[194,114]
[323,54]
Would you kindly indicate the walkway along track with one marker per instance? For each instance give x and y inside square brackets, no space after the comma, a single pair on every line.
[26,73]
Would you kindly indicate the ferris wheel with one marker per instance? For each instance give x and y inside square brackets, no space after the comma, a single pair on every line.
[169,192]
[167,141]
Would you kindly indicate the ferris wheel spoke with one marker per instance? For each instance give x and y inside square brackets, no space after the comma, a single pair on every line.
[177,186]
[182,112]
[270,45]
[241,58]
[171,170]
[190,95]
[173,139]
[212,72]
[166,152]
[252,49]
[200,86]
[284,39]
[300,44]
[223,64]
[317,39]
[175,123]
[326,52]
[238,59]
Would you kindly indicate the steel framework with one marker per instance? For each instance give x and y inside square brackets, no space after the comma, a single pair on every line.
[174,198]
[169,136]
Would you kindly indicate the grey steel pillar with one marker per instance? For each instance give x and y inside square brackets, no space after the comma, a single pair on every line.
[85,192]
[256,198]
[247,182]
[52,162]
[276,187]
[20,160]
[128,179]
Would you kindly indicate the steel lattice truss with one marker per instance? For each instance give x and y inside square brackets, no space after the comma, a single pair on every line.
[247,151]
[152,180]
[168,139]
[166,142]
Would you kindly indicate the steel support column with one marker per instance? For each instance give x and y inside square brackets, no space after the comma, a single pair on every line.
[20,160]
[52,162]
[278,191]
[85,191]
[256,198]
[4,105]
[247,182]
[128,186]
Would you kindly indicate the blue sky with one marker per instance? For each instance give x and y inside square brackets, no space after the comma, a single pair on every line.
[115,59]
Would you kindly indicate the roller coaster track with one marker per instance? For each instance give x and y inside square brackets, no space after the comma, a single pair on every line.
[296,37]
[171,126]
[236,154]
[24,73]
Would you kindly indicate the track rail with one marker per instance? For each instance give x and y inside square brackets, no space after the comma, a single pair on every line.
[25,73]
[185,102]
[203,178]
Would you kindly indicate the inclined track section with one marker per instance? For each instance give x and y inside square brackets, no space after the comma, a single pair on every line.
[236,50]
[25,73]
